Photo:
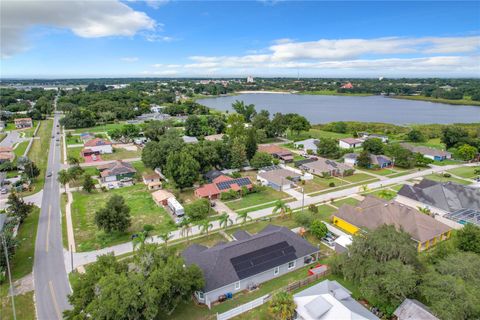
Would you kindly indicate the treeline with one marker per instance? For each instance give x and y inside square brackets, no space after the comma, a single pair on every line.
[35,102]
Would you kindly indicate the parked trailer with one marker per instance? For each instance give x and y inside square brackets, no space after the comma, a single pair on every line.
[175,206]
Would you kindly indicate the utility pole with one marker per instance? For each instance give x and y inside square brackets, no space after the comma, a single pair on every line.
[9,275]
[303,198]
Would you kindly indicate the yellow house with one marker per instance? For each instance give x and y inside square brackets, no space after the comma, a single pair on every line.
[372,213]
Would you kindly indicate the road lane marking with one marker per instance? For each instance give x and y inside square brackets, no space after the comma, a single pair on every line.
[48,226]
[55,304]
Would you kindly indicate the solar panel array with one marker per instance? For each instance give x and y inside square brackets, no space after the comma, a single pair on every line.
[263,259]
[464,216]
[240,181]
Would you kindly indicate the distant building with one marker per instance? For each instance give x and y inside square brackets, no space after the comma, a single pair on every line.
[308,145]
[250,79]
[348,85]
[350,143]
[117,171]
[430,153]
[366,135]
[188,139]
[6,154]
[214,137]
[277,152]
[98,146]
[376,161]
[223,184]
[22,123]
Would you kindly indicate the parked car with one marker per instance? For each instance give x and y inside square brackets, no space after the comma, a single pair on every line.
[49,174]
[4,191]
[111,186]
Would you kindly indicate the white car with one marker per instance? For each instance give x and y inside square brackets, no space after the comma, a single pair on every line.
[111,186]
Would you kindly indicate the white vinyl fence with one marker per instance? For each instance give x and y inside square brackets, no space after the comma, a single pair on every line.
[243,308]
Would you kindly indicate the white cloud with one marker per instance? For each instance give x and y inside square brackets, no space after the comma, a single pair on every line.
[155,37]
[161,73]
[129,59]
[87,19]
[156,3]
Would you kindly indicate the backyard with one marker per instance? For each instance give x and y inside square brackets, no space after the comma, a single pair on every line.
[143,211]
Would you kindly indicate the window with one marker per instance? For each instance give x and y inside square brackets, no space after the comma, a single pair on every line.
[276,271]
[291,265]
[237,285]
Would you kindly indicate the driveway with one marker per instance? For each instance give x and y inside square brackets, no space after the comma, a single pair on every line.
[11,139]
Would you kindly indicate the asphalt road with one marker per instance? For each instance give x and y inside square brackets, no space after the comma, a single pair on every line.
[11,139]
[50,276]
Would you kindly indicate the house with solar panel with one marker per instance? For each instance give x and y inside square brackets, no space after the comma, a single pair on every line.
[452,203]
[324,167]
[248,261]
[221,184]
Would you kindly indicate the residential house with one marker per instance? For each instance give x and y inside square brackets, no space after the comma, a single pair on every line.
[85,136]
[152,180]
[212,175]
[278,178]
[214,137]
[373,212]
[221,184]
[325,167]
[347,85]
[277,152]
[188,139]
[6,154]
[366,135]
[350,143]
[161,196]
[376,161]
[449,200]
[22,123]
[117,171]
[430,153]
[329,300]
[309,146]
[97,146]
[411,309]
[243,264]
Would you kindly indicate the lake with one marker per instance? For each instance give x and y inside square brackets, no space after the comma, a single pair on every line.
[322,109]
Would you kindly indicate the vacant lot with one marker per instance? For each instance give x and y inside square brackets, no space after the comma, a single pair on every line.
[258,198]
[319,184]
[100,128]
[39,153]
[358,177]
[143,211]
[441,178]
[120,154]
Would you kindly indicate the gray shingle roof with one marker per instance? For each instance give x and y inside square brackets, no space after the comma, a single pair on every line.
[411,309]
[447,196]
[216,261]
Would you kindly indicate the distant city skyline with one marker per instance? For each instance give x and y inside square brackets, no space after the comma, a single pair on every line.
[161,38]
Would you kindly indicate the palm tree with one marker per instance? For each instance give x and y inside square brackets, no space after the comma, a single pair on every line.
[385,194]
[224,220]
[64,178]
[205,226]
[139,240]
[243,216]
[364,188]
[426,211]
[73,161]
[280,207]
[165,236]
[186,226]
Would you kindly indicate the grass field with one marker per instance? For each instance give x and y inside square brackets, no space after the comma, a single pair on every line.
[21,265]
[143,211]
[120,154]
[439,100]
[431,143]
[20,149]
[317,134]
[358,177]
[76,153]
[253,199]
[381,172]
[465,172]
[350,201]
[100,128]
[39,153]
[441,178]
[447,162]
[335,93]
[318,184]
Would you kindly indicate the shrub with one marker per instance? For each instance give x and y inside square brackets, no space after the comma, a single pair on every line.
[318,229]
[236,175]
[304,218]
[447,175]
[331,184]
[313,208]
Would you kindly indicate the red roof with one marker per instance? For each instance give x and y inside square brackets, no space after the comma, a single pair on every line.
[221,178]
[347,86]
[207,190]
[97,142]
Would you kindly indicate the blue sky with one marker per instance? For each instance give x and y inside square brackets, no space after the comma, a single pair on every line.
[232,38]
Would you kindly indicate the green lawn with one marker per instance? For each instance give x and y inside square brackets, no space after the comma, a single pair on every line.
[20,149]
[440,100]
[73,140]
[318,184]
[258,198]
[141,169]
[2,136]
[441,178]
[317,134]
[350,201]
[76,153]
[377,194]
[357,177]
[259,224]
[100,128]
[324,212]
[39,153]
[335,93]
[431,143]
[120,154]
[207,241]
[446,162]
[465,172]
[21,265]
[381,172]
[143,211]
